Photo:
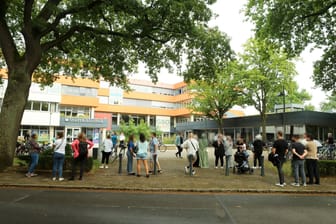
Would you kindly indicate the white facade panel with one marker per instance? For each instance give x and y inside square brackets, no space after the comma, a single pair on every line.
[41,118]
[48,94]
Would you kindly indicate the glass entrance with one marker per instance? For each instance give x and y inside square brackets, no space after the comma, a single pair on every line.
[71,134]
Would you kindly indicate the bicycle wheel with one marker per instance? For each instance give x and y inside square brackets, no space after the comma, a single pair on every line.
[163,148]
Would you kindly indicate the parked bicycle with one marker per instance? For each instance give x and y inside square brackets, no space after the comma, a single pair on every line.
[327,152]
[162,147]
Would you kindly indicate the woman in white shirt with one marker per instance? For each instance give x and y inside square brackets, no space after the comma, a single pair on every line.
[58,157]
[107,150]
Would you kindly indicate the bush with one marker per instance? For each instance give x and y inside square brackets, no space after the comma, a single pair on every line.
[45,162]
[327,167]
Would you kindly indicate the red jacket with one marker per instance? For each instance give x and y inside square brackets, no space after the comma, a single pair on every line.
[75,147]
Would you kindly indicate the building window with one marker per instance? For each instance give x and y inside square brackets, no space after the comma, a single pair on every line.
[79,91]
[75,112]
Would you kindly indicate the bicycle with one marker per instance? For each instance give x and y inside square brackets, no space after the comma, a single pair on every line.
[162,147]
[115,155]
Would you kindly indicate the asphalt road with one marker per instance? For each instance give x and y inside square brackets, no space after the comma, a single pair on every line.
[22,205]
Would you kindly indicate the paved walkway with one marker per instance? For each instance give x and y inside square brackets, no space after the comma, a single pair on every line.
[173,178]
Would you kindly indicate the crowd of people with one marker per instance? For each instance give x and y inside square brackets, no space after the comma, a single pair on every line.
[302,152]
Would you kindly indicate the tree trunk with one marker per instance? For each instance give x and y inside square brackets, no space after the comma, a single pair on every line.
[12,109]
[263,125]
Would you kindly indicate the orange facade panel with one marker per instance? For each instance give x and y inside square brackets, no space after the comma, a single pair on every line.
[103,92]
[79,101]
[141,110]
[78,82]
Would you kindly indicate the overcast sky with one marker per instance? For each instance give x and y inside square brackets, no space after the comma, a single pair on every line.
[231,21]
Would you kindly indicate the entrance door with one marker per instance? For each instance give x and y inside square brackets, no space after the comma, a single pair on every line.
[71,134]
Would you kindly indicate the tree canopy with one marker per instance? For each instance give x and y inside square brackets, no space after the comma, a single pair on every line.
[296,25]
[95,39]
[214,97]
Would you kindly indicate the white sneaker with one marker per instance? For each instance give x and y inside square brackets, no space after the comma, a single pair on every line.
[279,185]
[106,166]
[295,184]
[304,184]
[101,166]
[54,178]
[186,170]
[222,167]
[61,179]
[216,167]
[193,172]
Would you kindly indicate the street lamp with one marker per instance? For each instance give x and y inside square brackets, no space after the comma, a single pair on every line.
[283,94]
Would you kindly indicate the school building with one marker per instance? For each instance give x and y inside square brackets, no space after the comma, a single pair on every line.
[83,105]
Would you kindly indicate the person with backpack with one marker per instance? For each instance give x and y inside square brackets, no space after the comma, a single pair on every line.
[258,147]
[34,151]
[80,148]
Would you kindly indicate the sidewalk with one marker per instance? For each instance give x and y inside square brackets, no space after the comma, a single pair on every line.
[172,179]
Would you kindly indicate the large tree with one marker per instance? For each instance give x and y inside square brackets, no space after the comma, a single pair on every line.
[214,97]
[330,104]
[296,25]
[267,73]
[90,38]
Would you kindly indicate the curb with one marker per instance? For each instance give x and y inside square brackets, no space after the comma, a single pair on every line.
[171,190]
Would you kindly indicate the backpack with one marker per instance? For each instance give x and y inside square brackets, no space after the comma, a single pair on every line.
[28,145]
[83,149]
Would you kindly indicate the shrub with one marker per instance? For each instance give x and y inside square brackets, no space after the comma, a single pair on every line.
[45,162]
[327,167]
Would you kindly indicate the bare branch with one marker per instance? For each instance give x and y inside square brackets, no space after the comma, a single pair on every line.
[320,12]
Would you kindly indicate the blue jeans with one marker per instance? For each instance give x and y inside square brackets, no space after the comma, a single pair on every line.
[58,160]
[129,162]
[298,166]
[34,161]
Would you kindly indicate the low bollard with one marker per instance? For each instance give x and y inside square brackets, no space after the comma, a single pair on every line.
[262,170]
[190,158]
[227,169]
[120,161]
[154,165]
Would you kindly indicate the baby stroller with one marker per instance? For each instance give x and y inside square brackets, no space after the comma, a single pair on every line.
[242,164]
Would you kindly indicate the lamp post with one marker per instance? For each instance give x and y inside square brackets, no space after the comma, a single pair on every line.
[283,94]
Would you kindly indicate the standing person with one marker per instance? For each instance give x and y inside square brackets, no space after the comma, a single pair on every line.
[122,138]
[154,149]
[130,154]
[299,153]
[80,148]
[258,146]
[114,139]
[312,161]
[330,143]
[196,163]
[34,151]
[141,155]
[178,143]
[203,151]
[58,157]
[106,153]
[241,146]
[280,147]
[191,146]
[219,150]
[229,151]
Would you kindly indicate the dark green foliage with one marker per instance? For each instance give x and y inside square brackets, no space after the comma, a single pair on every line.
[327,167]
[296,25]
[45,162]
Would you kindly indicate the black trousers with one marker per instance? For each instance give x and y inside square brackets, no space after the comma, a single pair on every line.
[196,163]
[179,151]
[257,157]
[280,171]
[313,171]
[105,157]
[221,158]
[81,161]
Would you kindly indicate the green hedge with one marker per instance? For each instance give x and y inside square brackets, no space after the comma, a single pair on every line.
[45,162]
[327,167]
